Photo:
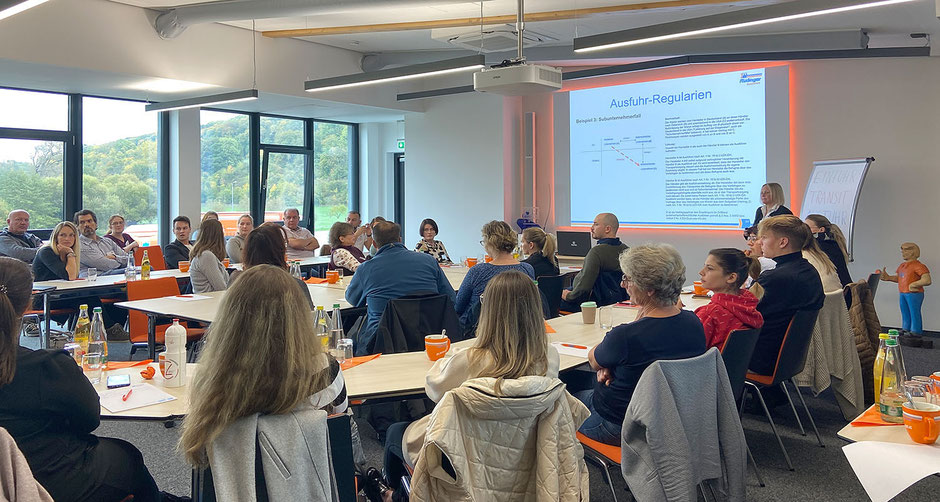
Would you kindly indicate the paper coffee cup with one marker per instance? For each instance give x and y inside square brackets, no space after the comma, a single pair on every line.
[588,312]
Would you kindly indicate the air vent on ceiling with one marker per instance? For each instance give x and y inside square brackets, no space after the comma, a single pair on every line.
[491,39]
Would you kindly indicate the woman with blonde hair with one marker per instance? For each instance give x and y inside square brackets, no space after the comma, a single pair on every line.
[540,248]
[59,258]
[499,241]
[771,199]
[511,343]
[234,246]
[815,256]
[116,233]
[51,410]
[260,357]
[206,271]
[832,242]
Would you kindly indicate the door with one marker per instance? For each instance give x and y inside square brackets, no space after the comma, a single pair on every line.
[399,189]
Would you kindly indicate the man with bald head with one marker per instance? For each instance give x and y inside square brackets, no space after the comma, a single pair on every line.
[600,274]
[15,241]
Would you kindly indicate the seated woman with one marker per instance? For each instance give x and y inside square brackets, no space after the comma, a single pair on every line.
[234,246]
[206,270]
[653,274]
[208,215]
[58,259]
[499,241]
[815,256]
[832,242]
[267,245]
[511,343]
[754,250]
[53,428]
[372,248]
[428,245]
[540,248]
[344,255]
[264,328]
[116,234]
[731,308]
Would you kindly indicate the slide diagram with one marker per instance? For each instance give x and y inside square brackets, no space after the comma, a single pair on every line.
[680,153]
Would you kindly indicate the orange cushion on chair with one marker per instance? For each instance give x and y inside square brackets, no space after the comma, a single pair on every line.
[762,379]
[51,312]
[611,452]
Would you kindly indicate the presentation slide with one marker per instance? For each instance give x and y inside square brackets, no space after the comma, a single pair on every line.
[687,152]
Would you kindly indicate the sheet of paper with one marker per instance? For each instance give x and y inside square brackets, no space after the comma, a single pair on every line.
[571,349]
[887,469]
[143,394]
[189,298]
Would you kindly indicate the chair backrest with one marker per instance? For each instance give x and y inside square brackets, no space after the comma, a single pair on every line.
[407,320]
[607,290]
[341,456]
[154,253]
[551,286]
[795,346]
[145,290]
[736,352]
[873,281]
[325,250]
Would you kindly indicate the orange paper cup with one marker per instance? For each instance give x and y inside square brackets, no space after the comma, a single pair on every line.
[162,359]
[698,289]
[184,266]
[922,424]
[436,346]
[471,262]
[487,258]
[332,276]
[226,262]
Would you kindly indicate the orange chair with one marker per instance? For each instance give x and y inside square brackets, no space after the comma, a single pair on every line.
[155,253]
[137,321]
[604,454]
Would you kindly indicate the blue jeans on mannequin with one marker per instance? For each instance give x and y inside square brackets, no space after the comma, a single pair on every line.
[910,312]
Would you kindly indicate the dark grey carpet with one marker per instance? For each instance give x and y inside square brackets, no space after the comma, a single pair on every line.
[821,473]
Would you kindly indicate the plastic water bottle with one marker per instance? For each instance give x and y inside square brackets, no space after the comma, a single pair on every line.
[336,328]
[295,270]
[892,384]
[129,271]
[98,342]
[82,332]
[175,357]
[879,365]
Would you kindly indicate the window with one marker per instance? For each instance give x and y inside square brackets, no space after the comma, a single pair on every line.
[332,166]
[280,131]
[119,165]
[225,170]
[285,184]
[34,110]
[31,179]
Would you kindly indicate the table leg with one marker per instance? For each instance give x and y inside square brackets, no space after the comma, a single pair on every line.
[44,339]
[152,336]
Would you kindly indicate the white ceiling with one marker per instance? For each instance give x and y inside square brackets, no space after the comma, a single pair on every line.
[881,22]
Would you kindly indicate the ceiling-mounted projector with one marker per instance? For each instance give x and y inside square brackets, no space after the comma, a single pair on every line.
[518,79]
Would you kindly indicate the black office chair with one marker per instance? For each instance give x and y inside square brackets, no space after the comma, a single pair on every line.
[873,281]
[341,456]
[551,286]
[736,354]
[607,290]
[407,320]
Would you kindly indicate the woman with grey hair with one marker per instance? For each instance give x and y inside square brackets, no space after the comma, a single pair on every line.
[653,274]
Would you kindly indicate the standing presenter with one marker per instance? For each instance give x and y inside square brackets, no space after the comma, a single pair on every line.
[771,199]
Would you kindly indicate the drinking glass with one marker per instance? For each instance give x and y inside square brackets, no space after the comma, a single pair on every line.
[339,275]
[605,316]
[929,390]
[344,350]
[919,391]
[92,274]
[92,366]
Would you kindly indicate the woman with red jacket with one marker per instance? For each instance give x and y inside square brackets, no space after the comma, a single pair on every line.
[731,308]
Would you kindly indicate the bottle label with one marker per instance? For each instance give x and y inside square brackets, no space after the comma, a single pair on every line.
[888,410]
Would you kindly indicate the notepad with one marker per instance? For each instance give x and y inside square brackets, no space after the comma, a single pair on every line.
[887,469]
[571,349]
[143,394]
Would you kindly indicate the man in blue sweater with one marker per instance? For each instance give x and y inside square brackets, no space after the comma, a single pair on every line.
[393,272]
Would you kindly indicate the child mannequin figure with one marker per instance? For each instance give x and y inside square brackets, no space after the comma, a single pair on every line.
[912,276]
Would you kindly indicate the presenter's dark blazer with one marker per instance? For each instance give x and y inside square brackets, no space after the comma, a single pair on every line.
[776,212]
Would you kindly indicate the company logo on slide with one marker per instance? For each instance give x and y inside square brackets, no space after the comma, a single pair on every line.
[751,78]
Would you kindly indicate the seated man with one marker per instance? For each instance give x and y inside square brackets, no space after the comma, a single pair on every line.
[393,272]
[96,252]
[15,241]
[791,286]
[363,232]
[601,259]
[179,249]
[300,242]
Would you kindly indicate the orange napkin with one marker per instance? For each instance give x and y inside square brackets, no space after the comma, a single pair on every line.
[871,417]
[316,280]
[549,328]
[118,365]
[356,361]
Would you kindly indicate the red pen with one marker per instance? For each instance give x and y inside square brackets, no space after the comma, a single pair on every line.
[572,346]
[125,396]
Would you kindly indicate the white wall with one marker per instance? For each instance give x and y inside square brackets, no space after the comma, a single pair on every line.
[378,143]
[839,109]
[454,169]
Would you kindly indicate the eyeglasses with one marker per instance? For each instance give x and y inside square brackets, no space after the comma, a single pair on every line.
[481,298]
[624,279]
[482,243]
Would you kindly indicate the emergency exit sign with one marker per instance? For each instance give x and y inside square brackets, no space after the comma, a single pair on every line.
[401,144]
